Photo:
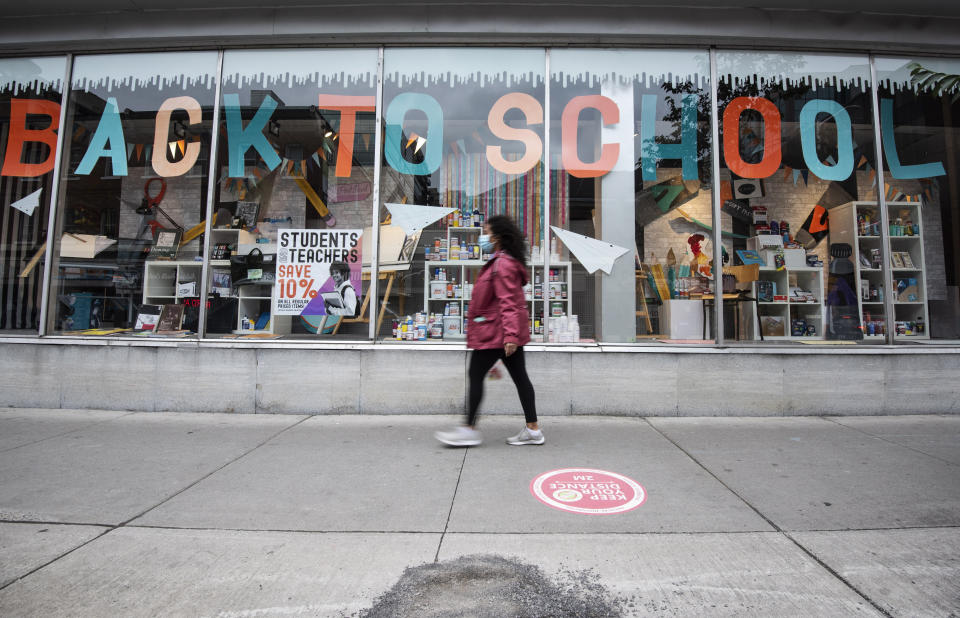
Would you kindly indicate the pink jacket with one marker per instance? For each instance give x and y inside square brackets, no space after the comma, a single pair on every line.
[498,308]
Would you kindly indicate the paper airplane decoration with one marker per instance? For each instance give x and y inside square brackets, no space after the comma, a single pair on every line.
[28,204]
[412,218]
[592,253]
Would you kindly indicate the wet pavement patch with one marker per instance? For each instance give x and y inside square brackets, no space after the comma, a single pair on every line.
[487,585]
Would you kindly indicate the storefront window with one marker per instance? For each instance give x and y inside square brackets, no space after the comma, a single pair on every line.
[919,120]
[294,197]
[799,203]
[132,200]
[30,93]
[463,141]
[630,194]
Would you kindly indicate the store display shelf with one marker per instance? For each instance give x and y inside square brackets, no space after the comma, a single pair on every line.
[869,270]
[802,269]
[869,237]
[772,302]
[871,302]
[908,270]
[909,302]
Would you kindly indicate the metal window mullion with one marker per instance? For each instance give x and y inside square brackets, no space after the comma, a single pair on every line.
[715,179]
[374,304]
[212,180]
[58,161]
[547,206]
[886,271]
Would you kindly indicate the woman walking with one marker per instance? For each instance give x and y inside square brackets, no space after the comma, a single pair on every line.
[498,328]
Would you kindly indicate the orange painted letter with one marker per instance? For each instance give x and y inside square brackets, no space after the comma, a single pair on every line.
[348,106]
[20,134]
[610,114]
[772,155]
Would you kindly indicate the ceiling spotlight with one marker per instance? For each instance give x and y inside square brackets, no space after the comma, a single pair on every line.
[328,134]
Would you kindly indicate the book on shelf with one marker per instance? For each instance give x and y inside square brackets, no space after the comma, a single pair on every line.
[171,318]
[165,245]
[147,317]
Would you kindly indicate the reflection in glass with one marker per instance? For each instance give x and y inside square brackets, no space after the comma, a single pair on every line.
[463,142]
[798,178]
[919,114]
[30,93]
[133,194]
[298,154]
[630,167]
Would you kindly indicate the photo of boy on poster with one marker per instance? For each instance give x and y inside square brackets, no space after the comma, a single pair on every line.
[344,299]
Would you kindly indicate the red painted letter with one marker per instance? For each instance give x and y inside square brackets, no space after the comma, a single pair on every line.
[771,138]
[20,134]
[348,107]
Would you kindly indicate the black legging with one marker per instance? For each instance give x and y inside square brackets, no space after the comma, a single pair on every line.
[480,363]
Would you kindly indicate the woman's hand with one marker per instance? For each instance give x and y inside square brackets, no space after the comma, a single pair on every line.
[509,348]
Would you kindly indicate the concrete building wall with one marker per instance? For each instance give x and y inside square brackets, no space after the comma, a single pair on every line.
[388,379]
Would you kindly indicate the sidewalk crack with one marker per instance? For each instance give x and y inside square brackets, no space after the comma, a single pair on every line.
[436,557]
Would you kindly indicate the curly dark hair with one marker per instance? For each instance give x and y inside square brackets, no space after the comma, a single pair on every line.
[511,238]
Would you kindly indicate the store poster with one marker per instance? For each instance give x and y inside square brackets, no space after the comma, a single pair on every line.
[318,273]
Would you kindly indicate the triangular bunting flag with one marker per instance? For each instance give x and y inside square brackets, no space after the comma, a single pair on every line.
[454,149]
[129,150]
[476,136]
[463,145]
[316,159]
[806,176]
[366,139]
[787,170]
[420,142]
[413,138]
[796,176]
[139,149]
[831,160]
[173,148]
[180,145]
[862,162]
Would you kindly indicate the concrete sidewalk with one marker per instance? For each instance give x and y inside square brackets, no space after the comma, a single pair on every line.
[144,514]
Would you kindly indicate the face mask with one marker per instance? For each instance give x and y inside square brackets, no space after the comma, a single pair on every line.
[485,244]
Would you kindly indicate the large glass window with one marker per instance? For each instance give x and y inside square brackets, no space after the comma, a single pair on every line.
[630,194]
[801,221]
[920,129]
[294,197]
[463,141]
[30,93]
[132,201]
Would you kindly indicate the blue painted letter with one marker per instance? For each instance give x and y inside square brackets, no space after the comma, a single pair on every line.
[109,131]
[808,139]
[393,147]
[242,139]
[686,150]
[897,170]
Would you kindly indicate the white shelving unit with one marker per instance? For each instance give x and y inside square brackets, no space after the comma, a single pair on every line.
[809,278]
[848,224]
[161,278]
[465,271]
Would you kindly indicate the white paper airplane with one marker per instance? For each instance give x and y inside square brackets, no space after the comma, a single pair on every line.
[27,204]
[592,253]
[412,218]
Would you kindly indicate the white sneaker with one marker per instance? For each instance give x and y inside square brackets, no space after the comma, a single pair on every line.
[460,436]
[527,436]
